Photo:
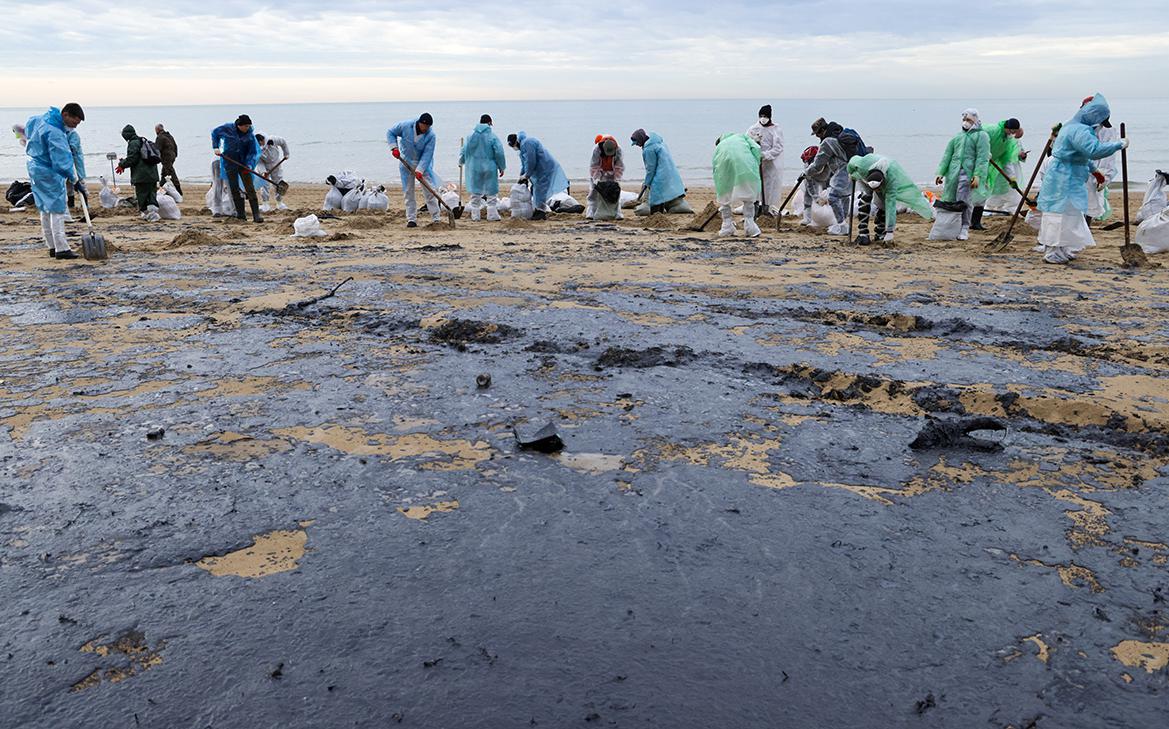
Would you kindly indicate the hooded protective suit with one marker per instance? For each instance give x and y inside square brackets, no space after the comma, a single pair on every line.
[661,174]
[50,160]
[898,186]
[273,152]
[967,153]
[770,139]
[1004,150]
[482,154]
[736,169]
[538,165]
[1073,159]
[1099,207]
[604,168]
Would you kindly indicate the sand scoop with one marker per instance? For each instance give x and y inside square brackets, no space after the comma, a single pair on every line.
[451,214]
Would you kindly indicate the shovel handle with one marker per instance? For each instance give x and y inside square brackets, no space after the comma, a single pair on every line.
[242,166]
[85,207]
[1124,185]
[1014,186]
[1038,165]
[425,184]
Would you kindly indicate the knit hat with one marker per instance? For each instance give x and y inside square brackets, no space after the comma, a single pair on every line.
[425,118]
[243,121]
[485,119]
[1012,124]
[765,110]
[639,137]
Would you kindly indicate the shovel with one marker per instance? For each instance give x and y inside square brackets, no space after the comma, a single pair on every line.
[786,200]
[1000,243]
[1132,254]
[1015,187]
[426,186]
[93,244]
[281,187]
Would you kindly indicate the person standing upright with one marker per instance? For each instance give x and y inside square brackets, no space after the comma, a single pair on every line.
[273,154]
[237,141]
[413,140]
[143,174]
[485,163]
[770,140]
[168,152]
[50,167]
[964,166]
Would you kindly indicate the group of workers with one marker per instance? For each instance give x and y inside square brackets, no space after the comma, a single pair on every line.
[979,165]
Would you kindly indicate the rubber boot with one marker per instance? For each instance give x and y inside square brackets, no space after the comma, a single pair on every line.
[976,218]
[255,203]
[239,208]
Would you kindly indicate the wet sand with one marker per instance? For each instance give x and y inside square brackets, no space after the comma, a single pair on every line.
[336,521]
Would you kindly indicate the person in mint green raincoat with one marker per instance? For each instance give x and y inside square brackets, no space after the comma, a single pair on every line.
[964,165]
[736,180]
[1063,199]
[482,154]
[884,183]
[539,166]
[50,168]
[414,140]
[666,191]
[1004,151]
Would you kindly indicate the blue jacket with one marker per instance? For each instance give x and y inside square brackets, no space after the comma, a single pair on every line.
[417,149]
[50,160]
[661,174]
[1073,154]
[484,160]
[539,166]
[242,148]
[75,148]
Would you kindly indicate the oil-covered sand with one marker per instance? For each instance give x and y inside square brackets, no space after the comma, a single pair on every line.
[331,524]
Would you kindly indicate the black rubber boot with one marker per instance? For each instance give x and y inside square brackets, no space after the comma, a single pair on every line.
[255,203]
[539,215]
[976,218]
[239,207]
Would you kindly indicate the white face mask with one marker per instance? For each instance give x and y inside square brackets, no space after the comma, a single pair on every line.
[764,120]
[967,125]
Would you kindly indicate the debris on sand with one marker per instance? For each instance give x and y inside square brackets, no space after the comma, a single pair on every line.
[460,332]
[658,220]
[955,433]
[483,381]
[703,218]
[643,358]
[544,440]
[1134,257]
[340,236]
[189,238]
[432,248]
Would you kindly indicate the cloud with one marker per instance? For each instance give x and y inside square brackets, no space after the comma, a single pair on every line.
[226,52]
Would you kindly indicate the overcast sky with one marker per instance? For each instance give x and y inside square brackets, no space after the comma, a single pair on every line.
[187,52]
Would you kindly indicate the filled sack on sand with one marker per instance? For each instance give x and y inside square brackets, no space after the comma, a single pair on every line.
[378,200]
[307,227]
[822,214]
[168,207]
[1153,233]
[521,202]
[948,223]
[1155,198]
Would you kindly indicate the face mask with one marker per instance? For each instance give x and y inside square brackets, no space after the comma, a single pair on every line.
[967,125]
[764,120]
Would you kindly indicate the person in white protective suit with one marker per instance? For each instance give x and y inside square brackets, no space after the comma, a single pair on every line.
[770,139]
[274,155]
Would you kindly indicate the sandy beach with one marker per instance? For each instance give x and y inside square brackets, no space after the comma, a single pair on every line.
[318,500]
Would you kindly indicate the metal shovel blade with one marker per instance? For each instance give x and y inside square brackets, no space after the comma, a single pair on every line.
[1000,243]
[282,188]
[93,246]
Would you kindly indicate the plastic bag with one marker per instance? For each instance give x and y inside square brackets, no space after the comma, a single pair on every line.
[1153,233]
[628,199]
[307,227]
[451,198]
[333,199]
[822,213]
[172,191]
[521,202]
[947,225]
[378,200]
[352,198]
[562,202]
[1155,200]
[363,200]
[107,197]
[168,208]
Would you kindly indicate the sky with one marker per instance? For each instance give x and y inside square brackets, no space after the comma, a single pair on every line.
[214,52]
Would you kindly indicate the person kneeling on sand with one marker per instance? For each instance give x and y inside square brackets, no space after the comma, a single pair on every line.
[143,174]
[667,194]
[736,180]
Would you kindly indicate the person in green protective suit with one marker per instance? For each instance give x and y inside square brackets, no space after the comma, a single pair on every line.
[964,165]
[884,184]
[1004,152]
[737,180]
[143,175]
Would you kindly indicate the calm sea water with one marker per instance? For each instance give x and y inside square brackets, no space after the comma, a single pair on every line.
[327,138]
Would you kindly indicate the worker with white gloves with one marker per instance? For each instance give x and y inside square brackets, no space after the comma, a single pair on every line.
[770,140]
[273,154]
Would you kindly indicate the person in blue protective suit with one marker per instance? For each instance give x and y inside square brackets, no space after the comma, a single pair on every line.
[539,166]
[237,140]
[50,168]
[667,194]
[1063,199]
[485,164]
[413,140]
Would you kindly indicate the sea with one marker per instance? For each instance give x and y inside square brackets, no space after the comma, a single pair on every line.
[328,138]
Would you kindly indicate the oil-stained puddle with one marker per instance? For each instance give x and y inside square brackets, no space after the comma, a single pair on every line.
[270,553]
[133,653]
[238,447]
[422,512]
[1138,654]
[592,463]
[439,455]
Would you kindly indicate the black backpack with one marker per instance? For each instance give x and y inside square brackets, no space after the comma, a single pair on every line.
[149,152]
[17,192]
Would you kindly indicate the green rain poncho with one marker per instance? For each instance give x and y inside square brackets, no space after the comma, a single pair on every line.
[897,188]
[1004,150]
[969,152]
[736,165]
